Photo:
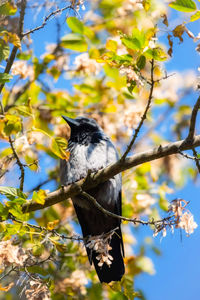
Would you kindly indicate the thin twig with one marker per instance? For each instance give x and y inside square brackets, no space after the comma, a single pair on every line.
[189,156]
[144,115]
[44,229]
[21,166]
[6,274]
[134,220]
[193,120]
[14,50]
[53,13]
[196,159]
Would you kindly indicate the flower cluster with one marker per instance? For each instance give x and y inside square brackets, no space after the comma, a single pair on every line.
[184,219]
[101,245]
[86,65]
[21,68]
[11,255]
[129,6]
[76,282]
[37,290]
[180,218]
[131,75]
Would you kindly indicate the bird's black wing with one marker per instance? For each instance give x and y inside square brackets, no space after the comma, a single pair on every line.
[94,222]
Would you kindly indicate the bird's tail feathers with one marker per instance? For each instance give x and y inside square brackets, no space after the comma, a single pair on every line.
[114,271]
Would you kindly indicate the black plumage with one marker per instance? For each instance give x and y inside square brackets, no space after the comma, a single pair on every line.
[90,149]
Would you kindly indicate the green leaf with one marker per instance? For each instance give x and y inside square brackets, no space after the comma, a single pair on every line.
[8,9]
[123,59]
[74,41]
[131,86]
[39,196]
[4,50]
[59,146]
[131,43]
[88,32]
[11,192]
[141,62]
[3,211]
[156,53]
[23,110]
[13,124]
[38,249]
[16,211]
[4,77]
[6,152]
[75,25]
[163,203]
[24,55]
[128,287]
[38,269]
[136,41]
[111,45]
[183,5]
[195,17]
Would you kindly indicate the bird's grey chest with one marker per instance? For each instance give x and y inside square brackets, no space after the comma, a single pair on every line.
[83,158]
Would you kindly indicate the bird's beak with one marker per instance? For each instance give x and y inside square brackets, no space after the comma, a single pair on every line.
[71,122]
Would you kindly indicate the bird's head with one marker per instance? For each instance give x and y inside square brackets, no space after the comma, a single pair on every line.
[83,129]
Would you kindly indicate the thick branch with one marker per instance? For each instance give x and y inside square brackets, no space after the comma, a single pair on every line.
[112,170]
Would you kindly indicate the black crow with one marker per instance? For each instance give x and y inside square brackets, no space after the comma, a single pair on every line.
[90,150]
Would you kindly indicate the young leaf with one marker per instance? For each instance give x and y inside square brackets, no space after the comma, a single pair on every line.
[156,53]
[3,211]
[13,39]
[8,9]
[39,196]
[131,43]
[52,225]
[4,77]
[141,62]
[12,124]
[195,17]
[59,146]
[183,5]
[11,192]
[111,45]
[4,50]
[75,25]
[74,41]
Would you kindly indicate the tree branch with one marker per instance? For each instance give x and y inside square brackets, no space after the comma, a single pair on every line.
[193,119]
[189,156]
[21,166]
[134,220]
[196,159]
[102,175]
[46,231]
[53,13]
[14,50]
[152,82]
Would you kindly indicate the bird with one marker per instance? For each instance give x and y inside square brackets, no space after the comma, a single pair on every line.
[91,150]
